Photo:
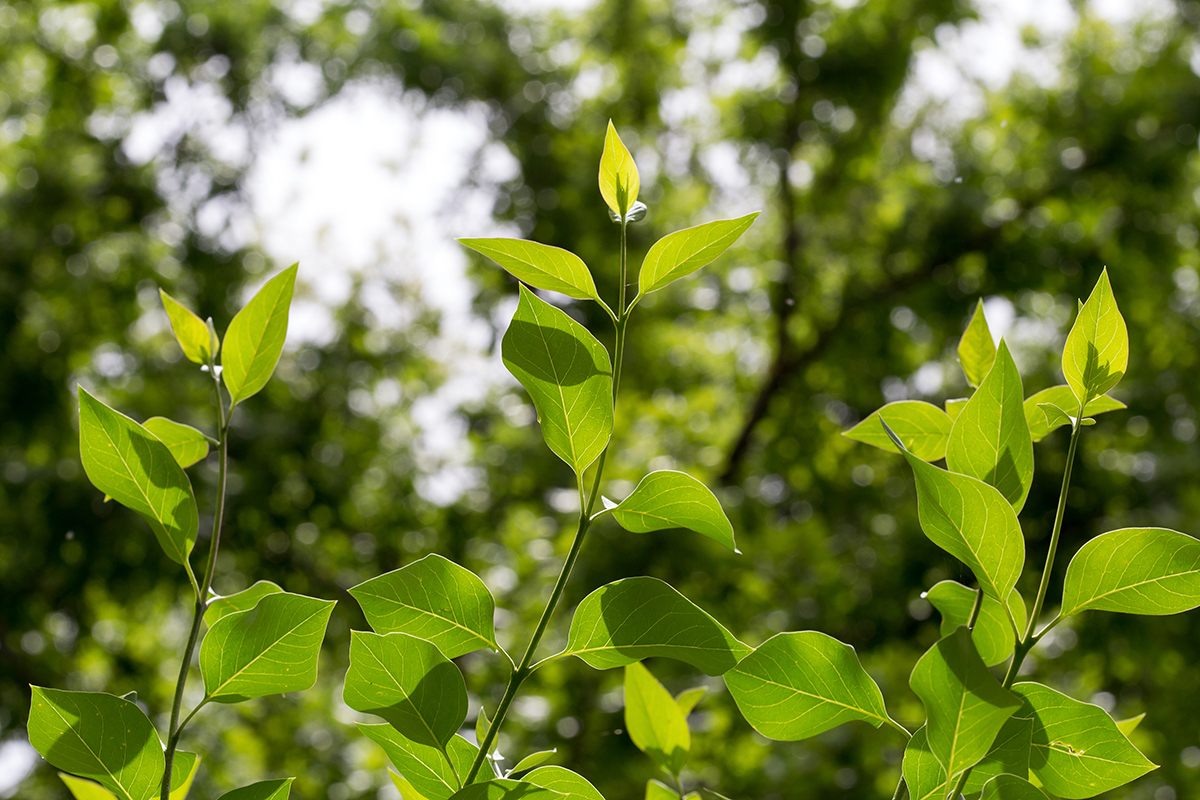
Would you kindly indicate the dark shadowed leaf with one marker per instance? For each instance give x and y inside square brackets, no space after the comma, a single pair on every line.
[993,635]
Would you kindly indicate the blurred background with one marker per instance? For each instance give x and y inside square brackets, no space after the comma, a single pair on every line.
[910,156]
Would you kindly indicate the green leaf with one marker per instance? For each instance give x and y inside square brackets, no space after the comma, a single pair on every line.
[130,465]
[954,407]
[241,601]
[657,790]
[796,685]
[681,253]
[530,761]
[433,599]
[270,649]
[563,781]
[993,635]
[406,789]
[1010,787]
[186,444]
[1078,751]
[1097,349]
[82,789]
[568,376]
[1009,753]
[976,350]
[183,772]
[973,522]
[255,337]
[924,776]
[654,721]
[539,265]
[190,331]
[1128,726]
[619,181]
[638,618]
[263,790]
[990,439]
[409,683]
[98,736]
[432,772]
[688,698]
[922,427]
[965,704]
[1151,571]
[504,789]
[670,499]
[1061,396]
[481,729]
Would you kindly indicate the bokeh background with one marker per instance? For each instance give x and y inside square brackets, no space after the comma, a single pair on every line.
[910,157]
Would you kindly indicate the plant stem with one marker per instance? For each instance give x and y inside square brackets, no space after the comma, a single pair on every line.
[202,594]
[900,790]
[524,669]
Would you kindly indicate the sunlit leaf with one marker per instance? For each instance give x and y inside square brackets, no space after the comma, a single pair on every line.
[638,618]
[976,350]
[130,465]
[619,181]
[565,782]
[1062,397]
[433,599]
[1010,787]
[504,789]
[796,685]
[183,772]
[568,376]
[263,790]
[270,649]
[190,331]
[683,252]
[187,444]
[241,601]
[654,721]
[1128,726]
[923,773]
[688,698]
[1097,349]
[922,427]
[1151,571]
[539,265]
[993,635]
[669,499]
[435,773]
[406,789]
[657,790]
[255,337]
[954,407]
[530,761]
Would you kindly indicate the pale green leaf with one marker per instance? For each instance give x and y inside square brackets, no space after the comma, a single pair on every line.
[241,601]
[130,465]
[565,782]
[530,761]
[82,789]
[505,789]
[1010,787]
[976,350]
[973,522]
[1062,397]
[183,772]
[100,737]
[657,790]
[670,499]
[481,729]
[255,337]
[1097,349]
[990,439]
[922,427]
[1128,726]
[1078,751]
[1009,753]
[688,698]
[263,790]
[638,618]
[187,444]
[1150,571]
[994,636]
[539,265]
[965,705]
[190,331]
[568,376]
[406,789]
[270,649]
[683,252]
[435,773]
[654,721]
[409,683]
[796,685]
[923,774]
[433,599]
[954,407]
[1055,416]
[619,181]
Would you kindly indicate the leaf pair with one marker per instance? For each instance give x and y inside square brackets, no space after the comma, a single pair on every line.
[656,721]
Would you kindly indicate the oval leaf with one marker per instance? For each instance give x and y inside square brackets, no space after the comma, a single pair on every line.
[654,721]
[241,601]
[1150,571]
[263,790]
[619,181]
[965,704]
[98,736]
[923,774]
[255,337]
[796,685]
[922,427]
[530,761]
[993,635]
[1078,751]
[1061,396]
[990,438]
[681,253]
[433,599]
[976,350]
[568,376]
[504,789]
[563,781]
[190,330]
[1097,349]
[409,683]
[186,444]
[130,465]
[540,265]
[1010,787]
[972,521]
[638,618]
[270,649]
[670,499]
[432,772]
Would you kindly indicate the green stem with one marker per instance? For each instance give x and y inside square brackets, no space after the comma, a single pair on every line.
[524,668]
[975,609]
[202,591]
[900,790]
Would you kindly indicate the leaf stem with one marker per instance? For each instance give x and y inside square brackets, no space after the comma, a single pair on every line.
[201,591]
[975,609]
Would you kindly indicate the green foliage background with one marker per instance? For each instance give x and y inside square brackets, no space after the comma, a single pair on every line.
[744,375]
